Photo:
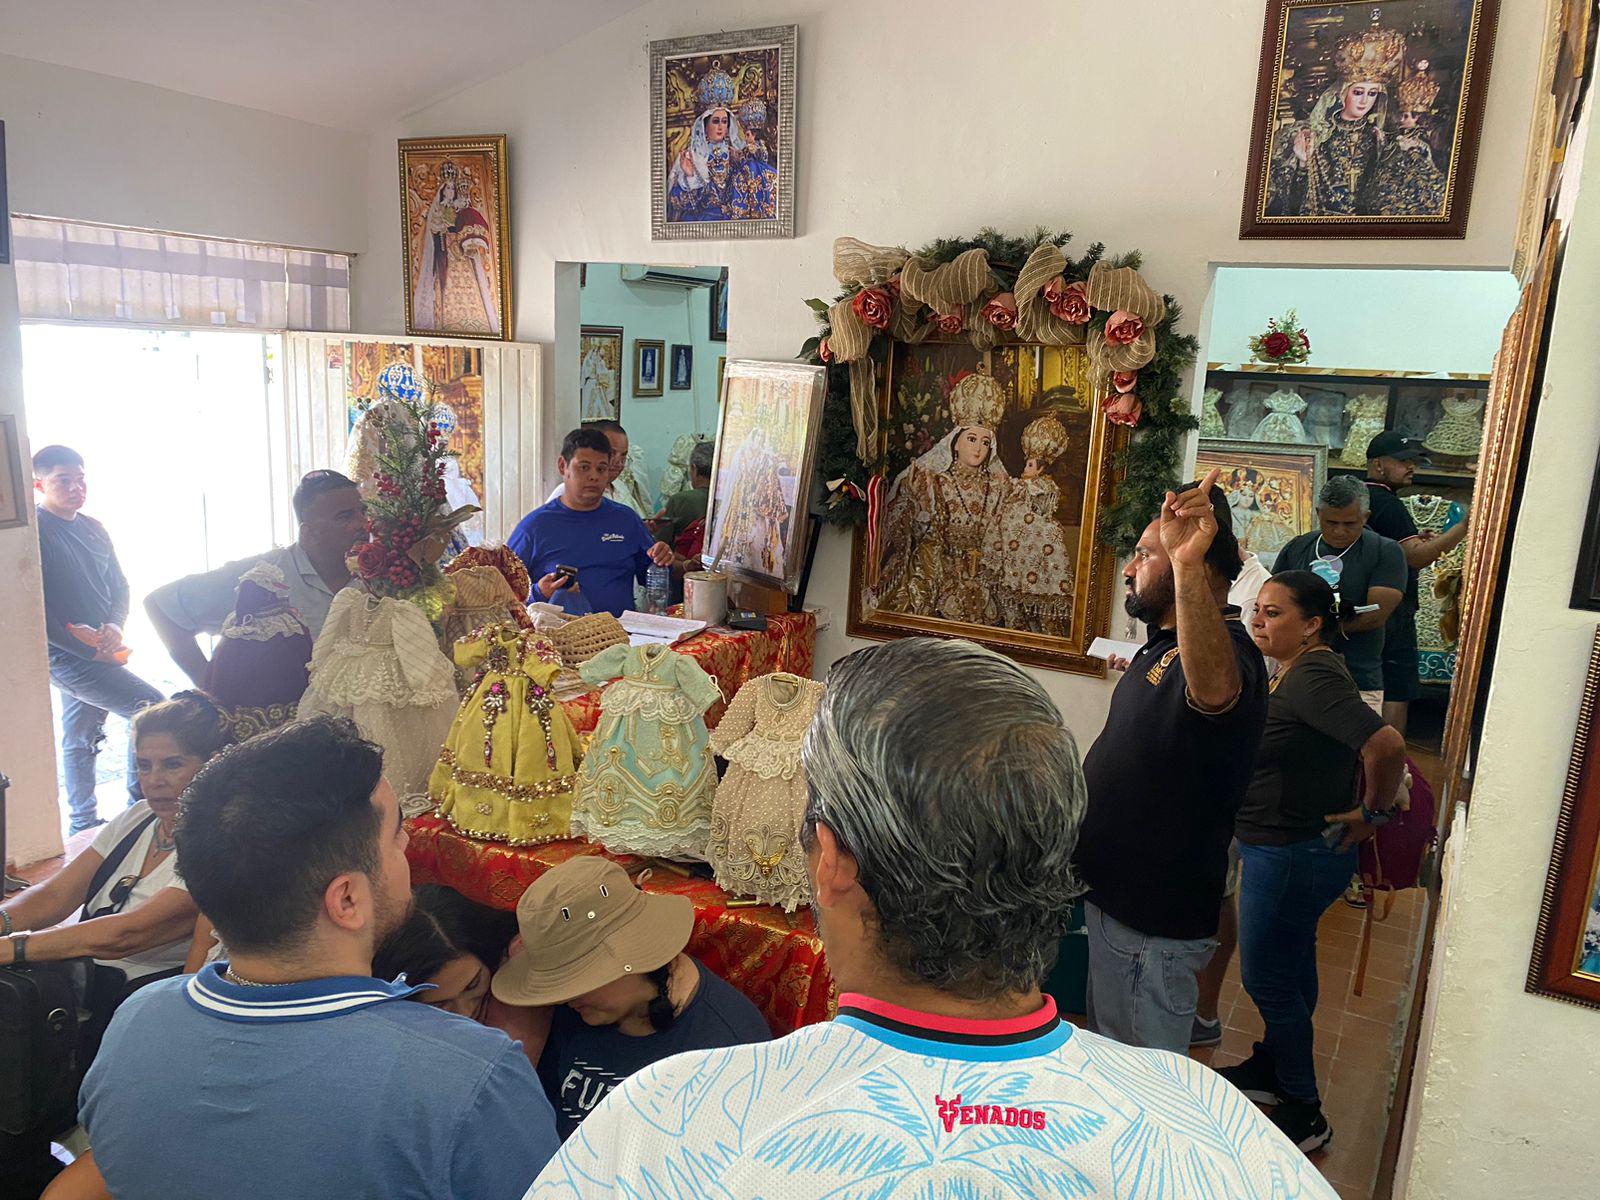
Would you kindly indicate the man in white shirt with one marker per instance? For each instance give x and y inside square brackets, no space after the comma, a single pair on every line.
[332,520]
[939,841]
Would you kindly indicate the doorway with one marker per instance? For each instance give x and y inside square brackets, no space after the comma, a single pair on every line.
[173,429]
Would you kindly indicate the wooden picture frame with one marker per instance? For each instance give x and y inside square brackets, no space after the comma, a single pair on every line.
[1385,101]
[682,368]
[1272,488]
[759,512]
[455,227]
[907,582]
[718,320]
[649,360]
[1565,963]
[1518,368]
[600,373]
[696,192]
[18,481]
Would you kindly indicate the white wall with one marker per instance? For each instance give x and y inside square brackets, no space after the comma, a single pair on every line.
[1367,320]
[1126,123]
[1510,1091]
[94,148]
[671,315]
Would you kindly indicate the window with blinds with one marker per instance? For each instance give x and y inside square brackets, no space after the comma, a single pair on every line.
[72,271]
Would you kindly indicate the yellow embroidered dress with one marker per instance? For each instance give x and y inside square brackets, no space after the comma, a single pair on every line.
[755,819]
[648,778]
[507,769]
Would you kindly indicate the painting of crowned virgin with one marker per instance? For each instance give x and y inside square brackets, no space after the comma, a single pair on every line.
[997,462]
[456,233]
[759,511]
[1367,118]
[722,135]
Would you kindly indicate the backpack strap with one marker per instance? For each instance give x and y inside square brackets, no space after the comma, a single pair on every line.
[113,863]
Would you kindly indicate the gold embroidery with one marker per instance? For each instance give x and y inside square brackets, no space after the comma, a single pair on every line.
[1154,674]
[521,793]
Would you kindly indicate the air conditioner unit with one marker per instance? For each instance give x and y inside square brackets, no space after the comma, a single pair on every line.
[684,277]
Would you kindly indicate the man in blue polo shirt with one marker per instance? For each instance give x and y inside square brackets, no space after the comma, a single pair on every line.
[289,1070]
[605,542]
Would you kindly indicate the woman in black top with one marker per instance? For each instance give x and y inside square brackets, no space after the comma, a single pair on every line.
[1298,829]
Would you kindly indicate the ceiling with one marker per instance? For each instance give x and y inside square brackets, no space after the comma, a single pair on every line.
[350,64]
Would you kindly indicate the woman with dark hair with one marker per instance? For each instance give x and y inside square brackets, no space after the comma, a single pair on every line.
[134,916]
[611,959]
[1298,827]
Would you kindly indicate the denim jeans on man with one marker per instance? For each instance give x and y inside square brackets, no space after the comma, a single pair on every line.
[90,690]
[1142,990]
[1286,890]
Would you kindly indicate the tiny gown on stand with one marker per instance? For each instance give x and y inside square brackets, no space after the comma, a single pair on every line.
[648,776]
[755,819]
[507,769]
[377,662]
[258,671]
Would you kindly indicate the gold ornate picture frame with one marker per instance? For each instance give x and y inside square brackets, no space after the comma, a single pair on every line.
[455,227]
[993,540]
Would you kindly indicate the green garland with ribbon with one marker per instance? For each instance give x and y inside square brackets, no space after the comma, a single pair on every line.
[987,289]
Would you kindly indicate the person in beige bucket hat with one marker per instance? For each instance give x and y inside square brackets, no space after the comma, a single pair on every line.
[611,957]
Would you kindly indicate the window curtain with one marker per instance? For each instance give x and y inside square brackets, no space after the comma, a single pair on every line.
[68,271]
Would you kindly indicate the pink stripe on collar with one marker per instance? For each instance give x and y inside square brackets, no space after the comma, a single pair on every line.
[937,1024]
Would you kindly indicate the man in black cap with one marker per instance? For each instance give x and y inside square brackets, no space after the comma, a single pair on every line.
[1392,462]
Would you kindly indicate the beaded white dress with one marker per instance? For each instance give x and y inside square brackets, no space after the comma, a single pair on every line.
[377,662]
[1282,422]
[755,819]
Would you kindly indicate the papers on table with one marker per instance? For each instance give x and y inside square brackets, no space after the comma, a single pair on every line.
[645,629]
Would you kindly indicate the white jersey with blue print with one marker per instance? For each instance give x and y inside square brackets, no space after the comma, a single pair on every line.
[884,1103]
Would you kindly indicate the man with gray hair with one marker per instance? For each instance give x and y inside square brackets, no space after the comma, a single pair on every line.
[1366,571]
[945,799]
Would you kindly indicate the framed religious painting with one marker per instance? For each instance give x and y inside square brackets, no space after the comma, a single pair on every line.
[722,149]
[456,230]
[682,368]
[1566,943]
[998,465]
[600,373]
[759,511]
[719,308]
[1271,486]
[648,356]
[1367,118]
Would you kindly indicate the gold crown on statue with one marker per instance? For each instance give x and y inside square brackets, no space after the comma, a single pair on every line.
[977,401]
[1418,90]
[1377,56]
[1045,440]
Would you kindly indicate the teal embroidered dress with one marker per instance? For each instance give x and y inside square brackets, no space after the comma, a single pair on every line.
[648,777]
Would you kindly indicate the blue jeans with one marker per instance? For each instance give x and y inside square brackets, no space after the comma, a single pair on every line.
[89,690]
[1286,890]
[1142,990]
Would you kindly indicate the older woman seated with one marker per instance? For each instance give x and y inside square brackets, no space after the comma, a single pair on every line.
[134,916]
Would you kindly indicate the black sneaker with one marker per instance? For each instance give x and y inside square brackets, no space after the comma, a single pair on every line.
[1303,1124]
[1256,1077]
[1205,1033]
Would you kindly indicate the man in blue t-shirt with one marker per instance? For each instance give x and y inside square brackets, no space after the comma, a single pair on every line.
[605,542]
[289,1070]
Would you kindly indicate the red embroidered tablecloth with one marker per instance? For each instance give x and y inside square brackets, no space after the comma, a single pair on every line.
[771,956]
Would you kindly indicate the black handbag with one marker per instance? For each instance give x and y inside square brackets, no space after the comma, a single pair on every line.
[44,1009]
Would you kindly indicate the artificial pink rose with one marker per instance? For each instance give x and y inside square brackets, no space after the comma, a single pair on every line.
[1054,289]
[1123,328]
[1001,311]
[372,559]
[1072,305]
[874,306]
[1123,409]
[1124,381]
[825,351]
[951,322]
[1275,344]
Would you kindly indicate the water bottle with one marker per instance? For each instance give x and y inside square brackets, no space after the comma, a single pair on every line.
[657,588]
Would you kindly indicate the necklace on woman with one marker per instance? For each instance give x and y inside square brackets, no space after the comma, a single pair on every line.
[165,843]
